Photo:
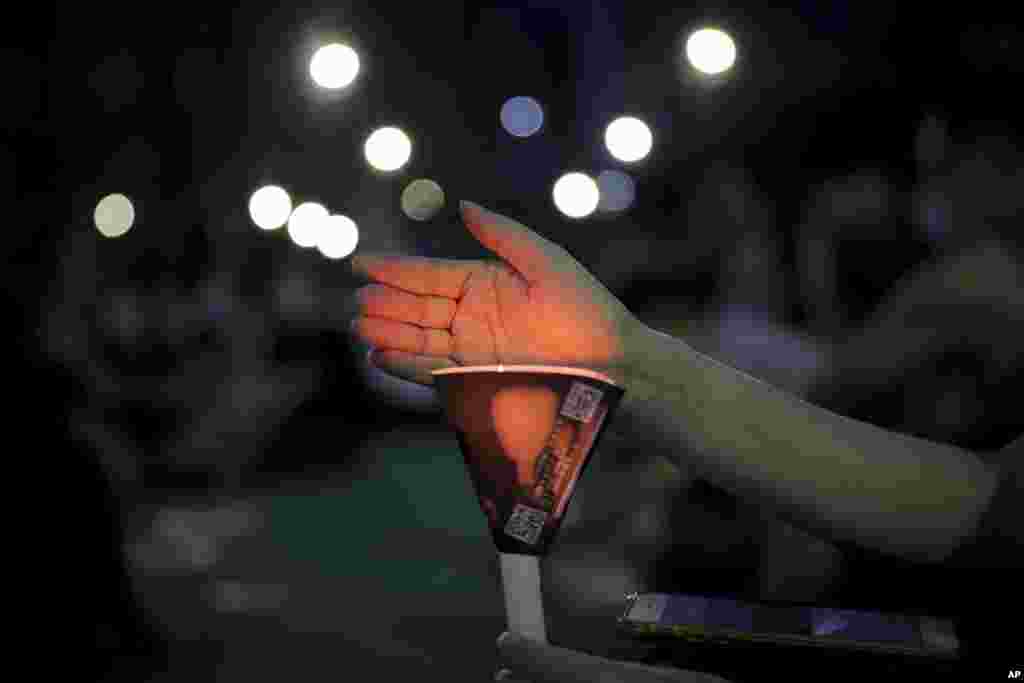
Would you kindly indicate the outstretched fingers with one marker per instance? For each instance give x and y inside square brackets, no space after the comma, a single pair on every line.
[400,336]
[384,301]
[416,274]
[535,258]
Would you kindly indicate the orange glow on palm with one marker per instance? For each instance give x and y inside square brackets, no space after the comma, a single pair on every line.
[533,305]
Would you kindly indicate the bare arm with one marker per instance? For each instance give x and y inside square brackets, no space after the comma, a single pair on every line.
[843,479]
[835,476]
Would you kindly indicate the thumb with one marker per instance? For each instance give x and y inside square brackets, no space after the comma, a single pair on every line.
[534,257]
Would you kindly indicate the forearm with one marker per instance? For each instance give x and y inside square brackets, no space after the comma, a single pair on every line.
[835,476]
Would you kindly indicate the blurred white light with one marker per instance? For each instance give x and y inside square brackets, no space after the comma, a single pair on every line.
[710,51]
[628,139]
[388,149]
[306,223]
[618,191]
[576,195]
[422,199]
[338,237]
[334,66]
[269,207]
[114,215]
[522,116]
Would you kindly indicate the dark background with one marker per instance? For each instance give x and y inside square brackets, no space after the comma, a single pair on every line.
[230,493]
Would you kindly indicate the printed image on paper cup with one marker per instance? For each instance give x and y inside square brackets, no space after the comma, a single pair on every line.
[526,432]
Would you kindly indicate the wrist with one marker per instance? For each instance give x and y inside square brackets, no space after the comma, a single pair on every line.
[653,359]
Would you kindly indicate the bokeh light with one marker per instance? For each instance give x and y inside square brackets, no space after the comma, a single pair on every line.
[618,191]
[422,199]
[628,139]
[338,237]
[334,66]
[269,207]
[576,195]
[388,149]
[711,51]
[306,223]
[522,116]
[114,215]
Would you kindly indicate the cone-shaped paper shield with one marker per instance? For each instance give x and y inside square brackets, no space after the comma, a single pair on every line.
[526,433]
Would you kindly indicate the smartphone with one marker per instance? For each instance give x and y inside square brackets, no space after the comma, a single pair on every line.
[730,625]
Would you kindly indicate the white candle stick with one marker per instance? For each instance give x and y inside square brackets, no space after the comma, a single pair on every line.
[520,579]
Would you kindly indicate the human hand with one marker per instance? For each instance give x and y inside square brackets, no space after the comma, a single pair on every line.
[534,304]
[522,660]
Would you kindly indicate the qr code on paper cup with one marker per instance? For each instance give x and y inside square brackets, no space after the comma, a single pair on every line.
[581,402]
[526,523]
